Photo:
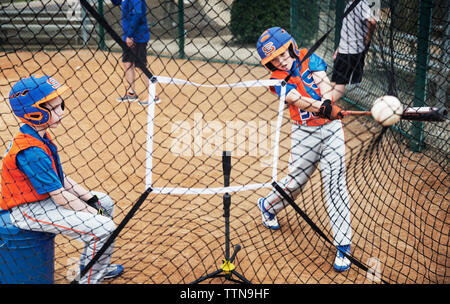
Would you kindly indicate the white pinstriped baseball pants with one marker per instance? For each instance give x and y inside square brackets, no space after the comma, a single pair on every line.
[93,230]
[311,146]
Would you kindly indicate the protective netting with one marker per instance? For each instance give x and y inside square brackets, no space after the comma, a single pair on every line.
[214,97]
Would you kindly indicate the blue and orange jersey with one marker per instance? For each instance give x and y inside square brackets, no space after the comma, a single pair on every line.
[16,186]
[302,81]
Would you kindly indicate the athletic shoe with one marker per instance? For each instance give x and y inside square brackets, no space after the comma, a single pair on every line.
[128,98]
[341,263]
[113,271]
[145,102]
[269,220]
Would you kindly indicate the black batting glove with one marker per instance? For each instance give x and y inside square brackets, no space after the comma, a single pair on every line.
[330,111]
[94,202]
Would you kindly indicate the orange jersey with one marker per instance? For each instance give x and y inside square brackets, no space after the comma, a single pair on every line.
[303,82]
[16,186]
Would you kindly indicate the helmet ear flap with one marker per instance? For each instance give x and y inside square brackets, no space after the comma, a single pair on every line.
[270,66]
[291,51]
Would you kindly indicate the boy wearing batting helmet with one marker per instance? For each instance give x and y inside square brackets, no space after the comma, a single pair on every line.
[317,134]
[34,188]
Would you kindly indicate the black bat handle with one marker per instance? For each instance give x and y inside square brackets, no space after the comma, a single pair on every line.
[425,114]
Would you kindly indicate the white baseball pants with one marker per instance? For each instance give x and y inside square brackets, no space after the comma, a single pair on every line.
[93,230]
[311,146]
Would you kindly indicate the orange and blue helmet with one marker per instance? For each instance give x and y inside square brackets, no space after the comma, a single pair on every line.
[274,42]
[28,95]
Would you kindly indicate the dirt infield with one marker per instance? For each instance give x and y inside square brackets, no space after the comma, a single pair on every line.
[399,214]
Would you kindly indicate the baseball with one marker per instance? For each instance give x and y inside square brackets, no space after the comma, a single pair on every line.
[387,110]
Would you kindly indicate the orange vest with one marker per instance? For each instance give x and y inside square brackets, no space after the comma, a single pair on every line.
[300,116]
[16,187]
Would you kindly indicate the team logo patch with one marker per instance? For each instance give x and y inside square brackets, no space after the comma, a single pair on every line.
[53,82]
[265,37]
[268,48]
[23,93]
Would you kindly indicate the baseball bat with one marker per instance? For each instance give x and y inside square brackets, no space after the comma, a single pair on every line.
[413,113]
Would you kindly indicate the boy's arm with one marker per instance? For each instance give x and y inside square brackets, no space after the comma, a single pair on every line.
[323,82]
[307,103]
[323,108]
[304,103]
[84,195]
[76,189]
[68,200]
[37,165]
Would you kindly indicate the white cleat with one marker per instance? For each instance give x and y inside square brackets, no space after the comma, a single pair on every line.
[342,263]
[269,220]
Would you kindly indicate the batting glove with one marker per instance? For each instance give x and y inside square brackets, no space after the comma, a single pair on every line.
[94,202]
[330,111]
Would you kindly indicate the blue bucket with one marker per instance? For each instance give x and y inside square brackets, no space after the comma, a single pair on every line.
[26,257]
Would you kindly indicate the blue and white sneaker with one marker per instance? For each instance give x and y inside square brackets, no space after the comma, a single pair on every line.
[341,263]
[130,97]
[269,220]
[113,271]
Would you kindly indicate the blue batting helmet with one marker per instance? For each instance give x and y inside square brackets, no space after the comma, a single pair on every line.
[28,95]
[274,42]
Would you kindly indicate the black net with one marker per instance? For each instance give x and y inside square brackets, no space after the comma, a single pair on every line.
[158,153]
